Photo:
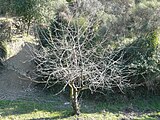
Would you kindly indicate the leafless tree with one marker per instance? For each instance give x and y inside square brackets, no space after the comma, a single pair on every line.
[76,56]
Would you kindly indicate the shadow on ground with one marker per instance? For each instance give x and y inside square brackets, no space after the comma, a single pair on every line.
[56,109]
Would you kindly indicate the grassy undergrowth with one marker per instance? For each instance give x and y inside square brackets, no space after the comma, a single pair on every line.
[59,109]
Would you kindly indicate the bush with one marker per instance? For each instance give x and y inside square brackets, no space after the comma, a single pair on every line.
[142,60]
[5,7]
[3,53]
[5,29]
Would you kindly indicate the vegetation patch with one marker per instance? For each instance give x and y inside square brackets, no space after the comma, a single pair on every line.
[137,109]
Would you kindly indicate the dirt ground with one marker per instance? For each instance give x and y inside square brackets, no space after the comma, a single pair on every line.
[12,84]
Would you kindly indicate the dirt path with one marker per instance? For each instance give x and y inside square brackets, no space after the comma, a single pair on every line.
[12,86]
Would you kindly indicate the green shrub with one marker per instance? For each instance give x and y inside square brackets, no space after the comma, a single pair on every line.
[5,7]
[3,53]
[5,29]
[142,59]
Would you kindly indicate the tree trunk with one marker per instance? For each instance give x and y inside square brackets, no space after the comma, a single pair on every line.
[74,100]
[28,27]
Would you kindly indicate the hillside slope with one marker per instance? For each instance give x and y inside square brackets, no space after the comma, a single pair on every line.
[12,86]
